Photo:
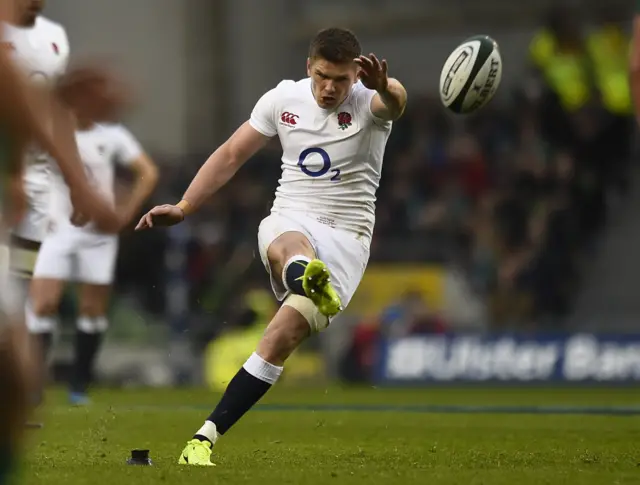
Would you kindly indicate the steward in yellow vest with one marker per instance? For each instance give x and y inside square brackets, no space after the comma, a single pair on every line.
[608,50]
[228,352]
[559,54]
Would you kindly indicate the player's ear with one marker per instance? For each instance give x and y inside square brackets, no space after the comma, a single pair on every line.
[308,67]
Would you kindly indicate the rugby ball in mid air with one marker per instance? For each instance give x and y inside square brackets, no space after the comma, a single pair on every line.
[471,75]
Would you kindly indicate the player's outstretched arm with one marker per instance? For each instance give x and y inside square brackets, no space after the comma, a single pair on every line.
[390,99]
[216,171]
[635,64]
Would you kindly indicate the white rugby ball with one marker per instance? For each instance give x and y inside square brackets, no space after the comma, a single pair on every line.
[471,75]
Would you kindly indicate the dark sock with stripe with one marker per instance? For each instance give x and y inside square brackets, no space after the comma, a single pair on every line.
[247,387]
[242,393]
[293,275]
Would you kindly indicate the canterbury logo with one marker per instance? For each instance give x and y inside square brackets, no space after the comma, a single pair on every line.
[289,118]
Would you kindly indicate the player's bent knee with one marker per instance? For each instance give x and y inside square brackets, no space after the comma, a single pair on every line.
[287,245]
[317,321]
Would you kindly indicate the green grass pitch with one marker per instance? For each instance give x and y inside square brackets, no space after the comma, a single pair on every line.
[355,436]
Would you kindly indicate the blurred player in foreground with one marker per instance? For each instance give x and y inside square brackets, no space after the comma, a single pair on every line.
[333,127]
[80,253]
[40,48]
[26,115]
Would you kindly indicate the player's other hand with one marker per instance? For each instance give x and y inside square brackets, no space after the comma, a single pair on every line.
[373,73]
[162,215]
[79,218]
[96,209]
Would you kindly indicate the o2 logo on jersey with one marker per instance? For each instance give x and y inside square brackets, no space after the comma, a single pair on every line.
[326,164]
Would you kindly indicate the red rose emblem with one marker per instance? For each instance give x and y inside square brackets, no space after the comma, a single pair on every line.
[344,120]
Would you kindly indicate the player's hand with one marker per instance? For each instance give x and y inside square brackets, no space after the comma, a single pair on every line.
[79,218]
[127,214]
[373,73]
[162,215]
[97,209]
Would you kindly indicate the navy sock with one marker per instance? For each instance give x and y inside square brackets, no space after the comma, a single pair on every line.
[294,273]
[86,348]
[242,393]
[246,388]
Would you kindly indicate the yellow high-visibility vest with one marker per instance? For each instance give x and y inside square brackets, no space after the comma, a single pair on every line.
[565,72]
[263,304]
[609,52]
[225,355]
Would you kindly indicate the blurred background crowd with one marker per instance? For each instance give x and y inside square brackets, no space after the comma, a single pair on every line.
[499,221]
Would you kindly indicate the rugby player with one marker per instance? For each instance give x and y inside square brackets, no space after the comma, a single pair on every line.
[333,127]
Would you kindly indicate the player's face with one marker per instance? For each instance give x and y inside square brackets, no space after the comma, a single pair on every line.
[331,83]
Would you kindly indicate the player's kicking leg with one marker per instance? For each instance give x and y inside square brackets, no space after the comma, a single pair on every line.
[311,301]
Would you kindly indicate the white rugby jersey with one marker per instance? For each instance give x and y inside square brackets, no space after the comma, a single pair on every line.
[42,52]
[331,160]
[100,149]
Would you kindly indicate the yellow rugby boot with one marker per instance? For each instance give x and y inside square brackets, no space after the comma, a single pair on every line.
[317,286]
[197,453]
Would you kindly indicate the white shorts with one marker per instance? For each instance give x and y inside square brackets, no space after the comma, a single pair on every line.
[35,223]
[76,255]
[344,254]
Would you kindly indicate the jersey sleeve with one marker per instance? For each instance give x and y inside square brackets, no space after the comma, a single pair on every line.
[264,114]
[362,100]
[127,148]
